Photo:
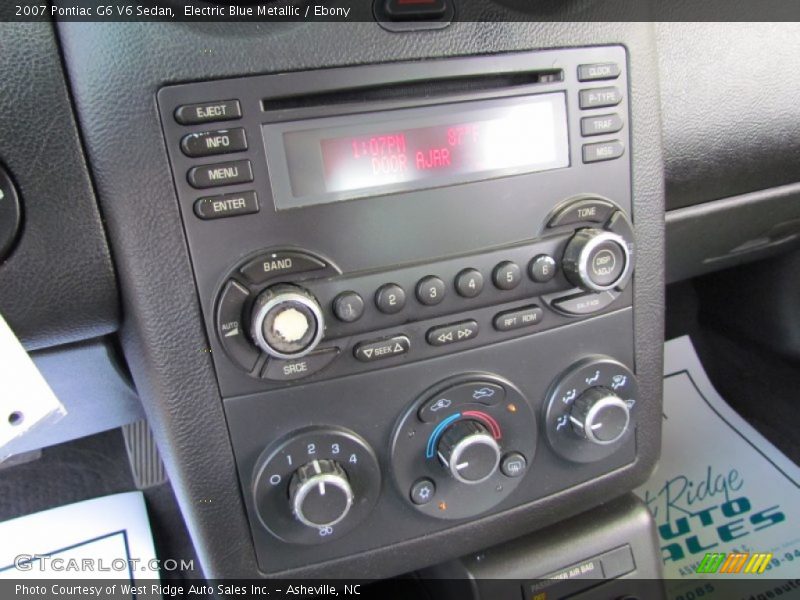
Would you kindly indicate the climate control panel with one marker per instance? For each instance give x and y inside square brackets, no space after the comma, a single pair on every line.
[461,448]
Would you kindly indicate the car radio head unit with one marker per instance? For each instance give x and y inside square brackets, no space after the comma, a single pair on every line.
[417,282]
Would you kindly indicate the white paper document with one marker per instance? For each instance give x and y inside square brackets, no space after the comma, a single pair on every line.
[103,538]
[26,401]
[720,486]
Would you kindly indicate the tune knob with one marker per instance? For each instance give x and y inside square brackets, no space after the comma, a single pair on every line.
[320,494]
[469,452]
[596,260]
[287,321]
[600,416]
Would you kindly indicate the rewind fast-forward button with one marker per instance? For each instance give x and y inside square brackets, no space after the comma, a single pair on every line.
[378,349]
[452,334]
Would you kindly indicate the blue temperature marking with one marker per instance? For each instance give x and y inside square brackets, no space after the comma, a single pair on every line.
[430,451]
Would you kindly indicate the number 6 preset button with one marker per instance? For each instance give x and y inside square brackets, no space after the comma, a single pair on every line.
[390,298]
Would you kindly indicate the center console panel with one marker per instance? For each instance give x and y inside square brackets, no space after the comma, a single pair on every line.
[417,281]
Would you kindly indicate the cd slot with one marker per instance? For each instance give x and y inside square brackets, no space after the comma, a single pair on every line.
[427,88]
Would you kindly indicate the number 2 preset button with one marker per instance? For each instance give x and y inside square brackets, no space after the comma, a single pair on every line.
[390,298]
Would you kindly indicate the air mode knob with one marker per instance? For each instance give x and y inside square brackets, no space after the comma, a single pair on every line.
[596,260]
[600,416]
[320,494]
[469,452]
[286,322]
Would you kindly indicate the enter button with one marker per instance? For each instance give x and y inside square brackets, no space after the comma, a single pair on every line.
[227,205]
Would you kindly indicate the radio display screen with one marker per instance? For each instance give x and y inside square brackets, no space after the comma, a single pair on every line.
[372,154]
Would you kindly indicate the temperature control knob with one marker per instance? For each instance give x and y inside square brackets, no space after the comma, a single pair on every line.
[600,416]
[287,321]
[469,452]
[596,260]
[320,494]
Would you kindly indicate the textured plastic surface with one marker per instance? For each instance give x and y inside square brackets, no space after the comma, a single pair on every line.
[746,228]
[58,284]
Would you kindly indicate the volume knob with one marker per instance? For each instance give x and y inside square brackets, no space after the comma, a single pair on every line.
[320,494]
[287,321]
[469,452]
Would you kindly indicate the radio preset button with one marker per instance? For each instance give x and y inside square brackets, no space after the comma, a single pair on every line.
[599,97]
[430,290]
[515,319]
[227,173]
[229,325]
[601,124]
[208,112]
[226,205]
[542,268]
[379,349]
[590,210]
[209,143]
[598,71]
[452,334]
[390,298]
[469,283]
[296,368]
[279,264]
[348,307]
[507,275]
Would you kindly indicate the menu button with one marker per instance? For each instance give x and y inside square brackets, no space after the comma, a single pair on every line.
[238,171]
